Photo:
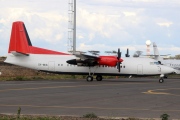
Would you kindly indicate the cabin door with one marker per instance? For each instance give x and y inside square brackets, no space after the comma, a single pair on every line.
[51,66]
[140,69]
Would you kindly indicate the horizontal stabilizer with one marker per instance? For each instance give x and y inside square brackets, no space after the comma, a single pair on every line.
[19,54]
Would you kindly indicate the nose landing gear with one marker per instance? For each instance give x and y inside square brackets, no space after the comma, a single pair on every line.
[161,80]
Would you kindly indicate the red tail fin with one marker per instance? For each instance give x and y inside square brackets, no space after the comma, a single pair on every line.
[19,40]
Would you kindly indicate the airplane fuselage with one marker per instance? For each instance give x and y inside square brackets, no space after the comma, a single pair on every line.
[58,64]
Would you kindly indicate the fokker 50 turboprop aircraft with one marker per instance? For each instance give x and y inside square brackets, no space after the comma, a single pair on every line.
[22,53]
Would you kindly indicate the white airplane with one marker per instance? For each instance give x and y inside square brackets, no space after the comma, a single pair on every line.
[167,62]
[22,53]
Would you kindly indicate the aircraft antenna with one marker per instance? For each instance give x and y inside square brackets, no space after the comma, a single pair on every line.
[72,27]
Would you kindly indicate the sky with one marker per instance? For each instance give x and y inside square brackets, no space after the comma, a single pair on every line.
[102,25]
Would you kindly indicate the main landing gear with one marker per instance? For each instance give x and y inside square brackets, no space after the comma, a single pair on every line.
[89,78]
[99,78]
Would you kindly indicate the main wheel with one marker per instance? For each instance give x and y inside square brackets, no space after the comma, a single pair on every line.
[89,78]
[99,78]
[161,80]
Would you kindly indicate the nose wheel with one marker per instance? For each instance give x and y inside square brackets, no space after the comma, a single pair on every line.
[161,80]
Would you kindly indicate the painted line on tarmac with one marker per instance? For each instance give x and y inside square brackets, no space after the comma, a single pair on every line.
[34,83]
[156,91]
[70,107]
[97,108]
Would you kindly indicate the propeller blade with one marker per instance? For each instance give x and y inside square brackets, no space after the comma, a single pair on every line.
[118,54]
[127,54]
[118,63]
[119,68]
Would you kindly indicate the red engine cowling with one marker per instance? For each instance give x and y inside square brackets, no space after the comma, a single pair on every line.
[108,60]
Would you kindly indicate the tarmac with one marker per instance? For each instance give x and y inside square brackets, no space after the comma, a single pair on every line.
[124,97]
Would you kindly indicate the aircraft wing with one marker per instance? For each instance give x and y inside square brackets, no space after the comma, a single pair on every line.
[93,60]
[83,56]
[84,60]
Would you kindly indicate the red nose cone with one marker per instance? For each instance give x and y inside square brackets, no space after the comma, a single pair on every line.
[120,60]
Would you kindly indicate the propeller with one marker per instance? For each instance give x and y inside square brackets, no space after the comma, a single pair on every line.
[118,63]
[127,54]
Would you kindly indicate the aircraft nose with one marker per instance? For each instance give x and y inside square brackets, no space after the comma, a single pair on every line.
[167,70]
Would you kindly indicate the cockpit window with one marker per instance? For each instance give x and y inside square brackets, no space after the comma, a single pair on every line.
[154,63]
[157,63]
